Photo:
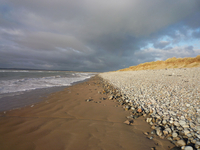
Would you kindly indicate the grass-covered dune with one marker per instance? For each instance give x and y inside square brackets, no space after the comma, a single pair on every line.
[173,62]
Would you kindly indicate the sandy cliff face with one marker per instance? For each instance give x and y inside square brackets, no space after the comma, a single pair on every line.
[169,63]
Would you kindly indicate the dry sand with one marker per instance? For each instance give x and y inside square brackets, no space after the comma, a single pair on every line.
[65,121]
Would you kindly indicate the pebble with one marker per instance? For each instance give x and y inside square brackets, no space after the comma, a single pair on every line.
[88,100]
[182,122]
[188,148]
[180,143]
[153,132]
[111,97]
[169,99]
[186,131]
[129,122]
[198,119]
[151,137]
[198,127]
[174,134]
[159,132]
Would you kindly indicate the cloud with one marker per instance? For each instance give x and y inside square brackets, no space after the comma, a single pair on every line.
[92,35]
[159,54]
[161,44]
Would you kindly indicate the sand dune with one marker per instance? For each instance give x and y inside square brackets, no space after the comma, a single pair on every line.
[169,63]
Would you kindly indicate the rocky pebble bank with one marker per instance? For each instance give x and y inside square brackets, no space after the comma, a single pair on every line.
[169,99]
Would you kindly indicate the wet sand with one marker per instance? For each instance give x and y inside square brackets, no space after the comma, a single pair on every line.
[65,121]
[17,100]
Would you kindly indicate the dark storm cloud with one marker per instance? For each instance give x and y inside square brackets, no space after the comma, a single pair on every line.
[94,35]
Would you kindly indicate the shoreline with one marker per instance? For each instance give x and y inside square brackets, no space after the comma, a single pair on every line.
[18,100]
[68,120]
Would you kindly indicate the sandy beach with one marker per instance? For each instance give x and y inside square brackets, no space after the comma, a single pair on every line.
[66,121]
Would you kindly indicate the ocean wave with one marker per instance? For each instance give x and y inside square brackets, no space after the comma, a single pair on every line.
[26,84]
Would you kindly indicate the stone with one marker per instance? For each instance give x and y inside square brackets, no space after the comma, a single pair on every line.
[197,135]
[111,97]
[186,131]
[189,135]
[182,122]
[198,128]
[151,123]
[192,125]
[193,141]
[139,110]
[148,120]
[132,108]
[135,116]
[88,100]
[131,116]
[153,132]
[165,132]
[127,101]
[185,126]
[153,120]
[197,143]
[198,119]
[182,118]
[144,115]
[188,148]
[176,124]
[187,105]
[197,146]
[180,143]
[176,138]
[179,128]
[174,134]
[159,132]
[127,107]
[168,130]
[169,138]
[164,122]
[127,122]
[151,137]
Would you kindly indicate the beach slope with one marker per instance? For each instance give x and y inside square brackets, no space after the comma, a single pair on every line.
[80,117]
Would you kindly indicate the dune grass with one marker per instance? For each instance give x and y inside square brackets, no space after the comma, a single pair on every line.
[173,62]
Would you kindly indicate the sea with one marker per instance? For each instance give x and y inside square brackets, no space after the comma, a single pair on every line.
[19,88]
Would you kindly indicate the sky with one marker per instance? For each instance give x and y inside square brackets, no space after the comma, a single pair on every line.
[96,35]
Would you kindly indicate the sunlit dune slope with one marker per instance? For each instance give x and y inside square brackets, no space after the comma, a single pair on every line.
[169,63]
